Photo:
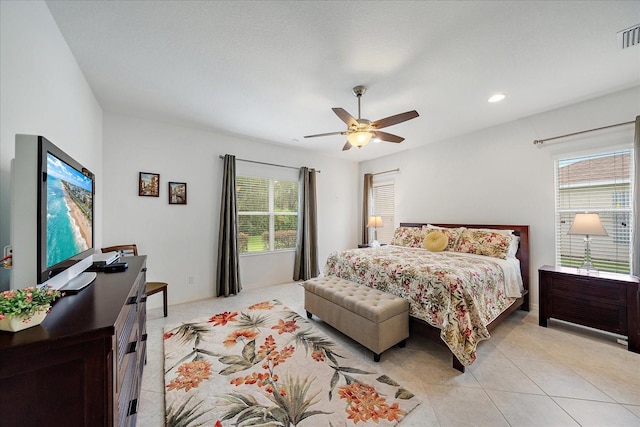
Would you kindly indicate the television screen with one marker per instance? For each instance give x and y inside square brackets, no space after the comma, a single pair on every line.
[69,211]
[65,214]
[52,212]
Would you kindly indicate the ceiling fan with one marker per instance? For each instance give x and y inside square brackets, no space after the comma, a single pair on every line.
[360,131]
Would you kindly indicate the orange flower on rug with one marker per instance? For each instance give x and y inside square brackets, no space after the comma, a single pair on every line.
[267,365]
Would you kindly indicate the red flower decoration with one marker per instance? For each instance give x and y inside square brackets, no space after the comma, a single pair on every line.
[288,326]
[222,318]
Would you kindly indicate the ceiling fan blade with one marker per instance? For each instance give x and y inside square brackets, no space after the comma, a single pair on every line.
[347,146]
[345,116]
[324,134]
[389,137]
[394,120]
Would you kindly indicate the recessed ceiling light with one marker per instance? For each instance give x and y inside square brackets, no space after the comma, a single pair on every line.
[496,98]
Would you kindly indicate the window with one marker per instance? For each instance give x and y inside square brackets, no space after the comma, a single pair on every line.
[267,214]
[383,204]
[599,184]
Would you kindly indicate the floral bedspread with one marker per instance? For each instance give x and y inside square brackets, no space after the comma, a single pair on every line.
[458,294]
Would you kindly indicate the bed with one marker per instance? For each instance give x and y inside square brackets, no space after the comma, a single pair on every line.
[456,295]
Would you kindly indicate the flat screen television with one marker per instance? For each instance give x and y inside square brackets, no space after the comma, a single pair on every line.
[66,212]
[52,215]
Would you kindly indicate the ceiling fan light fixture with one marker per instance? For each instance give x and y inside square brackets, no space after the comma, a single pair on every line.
[359,139]
[362,131]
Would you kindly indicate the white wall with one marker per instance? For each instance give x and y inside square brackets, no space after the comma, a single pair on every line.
[182,240]
[497,175]
[43,93]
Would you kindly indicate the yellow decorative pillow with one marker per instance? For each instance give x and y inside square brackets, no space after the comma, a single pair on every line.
[436,241]
[453,234]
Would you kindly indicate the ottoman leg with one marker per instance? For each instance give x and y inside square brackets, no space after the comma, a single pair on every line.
[309,315]
[402,343]
[376,357]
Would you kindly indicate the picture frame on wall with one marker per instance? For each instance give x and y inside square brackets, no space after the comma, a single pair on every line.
[177,193]
[149,184]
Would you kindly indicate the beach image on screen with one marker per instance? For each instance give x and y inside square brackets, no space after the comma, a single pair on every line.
[69,211]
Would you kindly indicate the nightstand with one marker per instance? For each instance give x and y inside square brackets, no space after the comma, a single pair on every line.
[605,301]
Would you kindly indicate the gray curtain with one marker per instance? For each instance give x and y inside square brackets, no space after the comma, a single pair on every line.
[306,263]
[228,273]
[635,250]
[366,197]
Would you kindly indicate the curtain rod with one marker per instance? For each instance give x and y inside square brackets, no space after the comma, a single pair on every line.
[541,141]
[391,170]
[268,164]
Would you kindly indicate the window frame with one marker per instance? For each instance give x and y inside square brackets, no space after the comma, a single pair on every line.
[609,214]
[271,213]
[388,220]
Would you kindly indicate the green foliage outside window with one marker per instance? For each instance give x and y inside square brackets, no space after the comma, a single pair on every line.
[265,208]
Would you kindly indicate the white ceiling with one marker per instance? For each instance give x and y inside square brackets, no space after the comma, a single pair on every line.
[272,70]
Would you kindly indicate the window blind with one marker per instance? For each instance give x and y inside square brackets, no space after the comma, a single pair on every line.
[383,204]
[267,213]
[599,184]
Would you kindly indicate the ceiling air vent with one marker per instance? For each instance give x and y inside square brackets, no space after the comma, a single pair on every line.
[629,37]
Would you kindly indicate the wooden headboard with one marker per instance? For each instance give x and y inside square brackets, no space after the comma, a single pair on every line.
[523,251]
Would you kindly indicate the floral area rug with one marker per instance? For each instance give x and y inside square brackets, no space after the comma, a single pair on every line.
[265,365]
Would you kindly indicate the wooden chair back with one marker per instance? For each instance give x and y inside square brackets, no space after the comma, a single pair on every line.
[125,249]
[151,287]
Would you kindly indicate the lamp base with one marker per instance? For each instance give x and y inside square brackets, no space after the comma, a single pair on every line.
[588,268]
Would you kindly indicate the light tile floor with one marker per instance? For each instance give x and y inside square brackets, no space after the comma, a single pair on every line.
[525,375]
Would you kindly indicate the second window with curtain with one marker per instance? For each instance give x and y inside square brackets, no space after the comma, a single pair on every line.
[383,205]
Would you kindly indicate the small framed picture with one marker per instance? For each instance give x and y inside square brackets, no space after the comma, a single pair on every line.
[177,193]
[149,184]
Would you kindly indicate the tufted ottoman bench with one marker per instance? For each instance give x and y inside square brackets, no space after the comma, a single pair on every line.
[375,319]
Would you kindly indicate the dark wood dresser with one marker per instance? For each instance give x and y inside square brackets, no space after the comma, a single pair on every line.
[605,301]
[83,365]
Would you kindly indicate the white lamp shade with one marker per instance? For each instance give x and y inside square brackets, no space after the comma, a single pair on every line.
[587,224]
[359,139]
[375,221]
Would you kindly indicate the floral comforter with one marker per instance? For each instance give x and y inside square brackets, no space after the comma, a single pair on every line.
[459,294]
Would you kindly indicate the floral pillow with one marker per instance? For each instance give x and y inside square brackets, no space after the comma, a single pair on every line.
[453,234]
[408,236]
[488,243]
[515,240]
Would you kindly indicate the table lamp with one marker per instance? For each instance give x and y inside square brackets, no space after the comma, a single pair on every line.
[375,222]
[587,224]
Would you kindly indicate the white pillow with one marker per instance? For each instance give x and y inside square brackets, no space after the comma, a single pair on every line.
[513,246]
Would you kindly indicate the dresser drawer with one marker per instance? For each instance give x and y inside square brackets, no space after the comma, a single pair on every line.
[593,313]
[597,292]
[597,300]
